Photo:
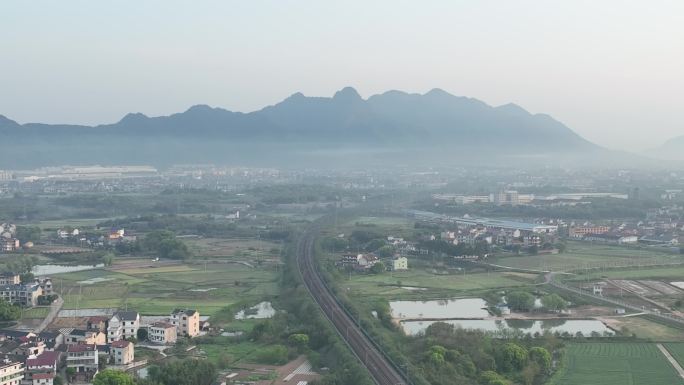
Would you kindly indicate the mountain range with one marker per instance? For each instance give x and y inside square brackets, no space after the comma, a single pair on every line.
[389,127]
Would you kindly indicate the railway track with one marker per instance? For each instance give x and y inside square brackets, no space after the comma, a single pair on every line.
[380,368]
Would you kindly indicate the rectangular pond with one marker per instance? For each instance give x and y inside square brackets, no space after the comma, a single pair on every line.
[440,309]
[586,327]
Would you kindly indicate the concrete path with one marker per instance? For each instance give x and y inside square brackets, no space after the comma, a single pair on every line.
[673,362]
[55,307]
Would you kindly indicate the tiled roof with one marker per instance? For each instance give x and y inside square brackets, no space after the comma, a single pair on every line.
[43,359]
[127,315]
[81,348]
[162,324]
[42,376]
[120,344]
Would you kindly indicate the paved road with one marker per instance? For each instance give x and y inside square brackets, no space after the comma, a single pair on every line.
[54,310]
[382,370]
[671,359]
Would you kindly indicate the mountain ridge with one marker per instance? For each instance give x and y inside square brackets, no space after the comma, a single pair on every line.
[391,121]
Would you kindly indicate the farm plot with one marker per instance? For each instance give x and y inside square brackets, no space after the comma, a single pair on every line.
[615,364]
[424,283]
[154,291]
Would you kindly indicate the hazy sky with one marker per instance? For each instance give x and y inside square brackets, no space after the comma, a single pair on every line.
[613,70]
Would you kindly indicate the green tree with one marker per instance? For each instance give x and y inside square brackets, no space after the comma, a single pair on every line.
[165,244]
[520,300]
[141,334]
[375,244]
[298,340]
[58,380]
[113,377]
[26,277]
[385,251]
[272,355]
[492,378]
[562,247]
[378,268]
[108,259]
[185,372]
[28,234]
[511,356]
[542,357]
[9,312]
[554,302]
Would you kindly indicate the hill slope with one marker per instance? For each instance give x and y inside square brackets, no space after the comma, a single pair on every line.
[300,128]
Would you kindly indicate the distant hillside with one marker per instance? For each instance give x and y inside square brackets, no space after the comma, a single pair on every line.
[384,128]
[673,149]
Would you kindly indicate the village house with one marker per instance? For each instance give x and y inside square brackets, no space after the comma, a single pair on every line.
[162,333]
[11,373]
[358,261]
[41,370]
[52,339]
[30,347]
[15,335]
[123,325]
[98,323]
[116,234]
[21,294]
[399,263]
[9,278]
[366,261]
[90,337]
[187,322]
[122,352]
[83,359]
[45,284]
[9,244]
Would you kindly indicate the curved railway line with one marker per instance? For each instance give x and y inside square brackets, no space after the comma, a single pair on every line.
[381,369]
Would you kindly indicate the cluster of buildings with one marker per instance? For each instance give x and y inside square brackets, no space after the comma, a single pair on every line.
[661,227]
[504,197]
[109,238]
[26,294]
[362,262]
[471,235]
[514,198]
[35,359]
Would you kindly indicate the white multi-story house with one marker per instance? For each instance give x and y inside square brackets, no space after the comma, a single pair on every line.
[123,325]
[11,373]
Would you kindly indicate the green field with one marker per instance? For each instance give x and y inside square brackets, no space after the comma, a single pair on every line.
[645,328]
[390,285]
[154,291]
[35,312]
[673,272]
[615,364]
[581,255]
